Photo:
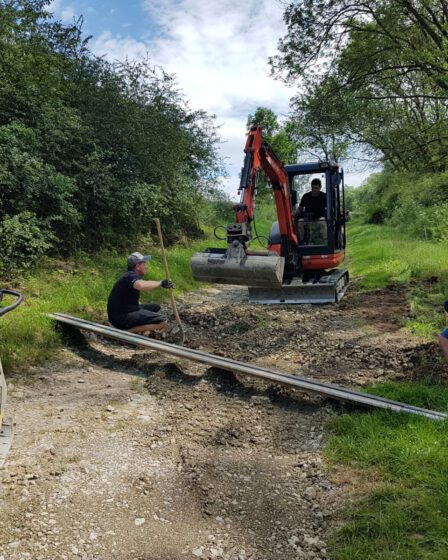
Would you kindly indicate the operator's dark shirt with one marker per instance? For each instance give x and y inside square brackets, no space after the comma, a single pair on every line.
[124,298]
[314,205]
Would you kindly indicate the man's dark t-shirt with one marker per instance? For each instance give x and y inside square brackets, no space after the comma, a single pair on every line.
[314,204]
[124,298]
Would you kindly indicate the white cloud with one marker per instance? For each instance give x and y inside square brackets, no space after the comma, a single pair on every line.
[68,14]
[219,52]
[118,48]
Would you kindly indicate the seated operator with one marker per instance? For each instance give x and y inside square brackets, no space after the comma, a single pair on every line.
[313,203]
[123,307]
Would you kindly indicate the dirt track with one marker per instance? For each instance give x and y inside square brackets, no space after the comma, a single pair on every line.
[123,454]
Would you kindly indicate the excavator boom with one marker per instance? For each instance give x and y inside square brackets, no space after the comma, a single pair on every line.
[237,264]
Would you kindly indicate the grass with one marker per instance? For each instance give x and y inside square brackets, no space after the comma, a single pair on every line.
[406,517]
[379,256]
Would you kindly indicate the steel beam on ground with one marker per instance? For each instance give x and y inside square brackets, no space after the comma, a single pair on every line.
[297,382]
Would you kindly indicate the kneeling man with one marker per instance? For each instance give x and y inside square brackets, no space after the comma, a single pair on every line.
[123,307]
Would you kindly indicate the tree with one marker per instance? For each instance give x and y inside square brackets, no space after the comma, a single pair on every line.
[90,151]
[374,76]
[320,30]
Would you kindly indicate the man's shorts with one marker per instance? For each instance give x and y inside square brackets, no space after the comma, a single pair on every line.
[444,333]
[146,315]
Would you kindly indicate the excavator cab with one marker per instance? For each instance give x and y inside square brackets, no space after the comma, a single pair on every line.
[311,275]
[323,234]
[300,262]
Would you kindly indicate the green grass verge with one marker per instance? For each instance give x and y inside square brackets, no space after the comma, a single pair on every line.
[406,517]
[78,286]
[404,457]
[81,285]
[379,256]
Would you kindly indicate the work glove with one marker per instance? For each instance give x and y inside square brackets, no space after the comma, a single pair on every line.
[445,305]
[167,284]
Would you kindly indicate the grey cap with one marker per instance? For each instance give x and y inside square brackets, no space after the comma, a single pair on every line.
[136,258]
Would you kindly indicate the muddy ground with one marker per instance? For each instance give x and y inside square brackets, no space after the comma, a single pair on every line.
[127,454]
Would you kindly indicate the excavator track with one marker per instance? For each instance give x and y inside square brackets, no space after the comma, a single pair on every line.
[329,289]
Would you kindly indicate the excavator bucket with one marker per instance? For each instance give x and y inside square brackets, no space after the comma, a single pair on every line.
[253,269]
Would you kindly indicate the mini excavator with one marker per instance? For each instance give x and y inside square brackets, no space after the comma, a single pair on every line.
[301,262]
[6,431]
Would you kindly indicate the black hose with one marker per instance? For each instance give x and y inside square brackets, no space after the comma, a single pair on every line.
[19,299]
[220,238]
[258,237]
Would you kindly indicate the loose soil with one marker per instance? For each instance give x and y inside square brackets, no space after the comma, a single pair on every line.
[127,454]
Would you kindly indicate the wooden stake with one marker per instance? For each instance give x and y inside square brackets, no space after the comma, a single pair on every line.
[167,272]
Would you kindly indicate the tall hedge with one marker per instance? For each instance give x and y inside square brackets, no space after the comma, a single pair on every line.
[91,151]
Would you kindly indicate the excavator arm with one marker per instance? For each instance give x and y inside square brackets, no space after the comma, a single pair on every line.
[237,264]
[259,155]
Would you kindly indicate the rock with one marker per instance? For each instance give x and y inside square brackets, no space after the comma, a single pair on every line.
[139,521]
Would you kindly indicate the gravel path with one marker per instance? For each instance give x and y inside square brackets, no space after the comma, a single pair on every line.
[127,454]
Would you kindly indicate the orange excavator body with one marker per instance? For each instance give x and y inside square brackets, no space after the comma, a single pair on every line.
[294,257]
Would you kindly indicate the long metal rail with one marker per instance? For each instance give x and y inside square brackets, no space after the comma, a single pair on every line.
[306,384]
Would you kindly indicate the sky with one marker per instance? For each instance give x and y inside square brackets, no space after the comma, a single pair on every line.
[218,52]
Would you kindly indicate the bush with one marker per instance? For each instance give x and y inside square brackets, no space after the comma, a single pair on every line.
[375,215]
[430,223]
[23,240]
[414,203]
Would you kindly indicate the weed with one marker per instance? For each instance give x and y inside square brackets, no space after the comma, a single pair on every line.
[136,385]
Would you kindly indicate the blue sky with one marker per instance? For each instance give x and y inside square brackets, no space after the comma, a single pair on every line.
[217,50]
